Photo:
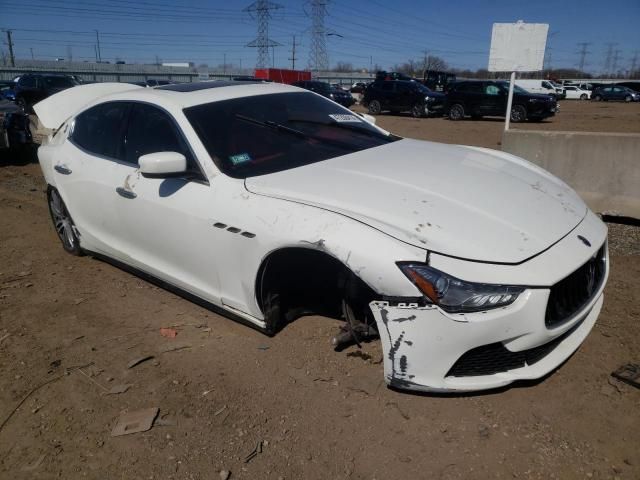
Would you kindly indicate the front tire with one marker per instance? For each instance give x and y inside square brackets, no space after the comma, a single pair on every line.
[518,114]
[418,111]
[584,96]
[374,107]
[63,223]
[628,98]
[456,112]
[597,98]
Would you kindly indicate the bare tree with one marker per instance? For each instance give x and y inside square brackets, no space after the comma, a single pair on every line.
[343,67]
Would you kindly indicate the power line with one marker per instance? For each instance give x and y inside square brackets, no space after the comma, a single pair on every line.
[318,56]
[262,9]
[608,58]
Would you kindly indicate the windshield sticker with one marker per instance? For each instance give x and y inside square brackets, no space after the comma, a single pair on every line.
[339,117]
[240,158]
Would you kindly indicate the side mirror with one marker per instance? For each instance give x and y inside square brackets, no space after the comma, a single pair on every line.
[162,164]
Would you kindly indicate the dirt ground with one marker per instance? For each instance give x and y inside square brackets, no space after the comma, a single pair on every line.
[224,389]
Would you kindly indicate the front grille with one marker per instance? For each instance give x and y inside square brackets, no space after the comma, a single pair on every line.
[572,293]
[495,358]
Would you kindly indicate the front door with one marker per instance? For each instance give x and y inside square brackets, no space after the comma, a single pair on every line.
[167,223]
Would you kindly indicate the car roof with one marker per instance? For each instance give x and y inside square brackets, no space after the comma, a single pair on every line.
[185,95]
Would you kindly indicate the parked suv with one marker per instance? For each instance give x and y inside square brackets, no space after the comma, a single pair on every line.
[402,96]
[31,87]
[489,98]
[615,92]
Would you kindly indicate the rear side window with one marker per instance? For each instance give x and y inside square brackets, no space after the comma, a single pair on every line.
[27,82]
[99,129]
[387,87]
[152,130]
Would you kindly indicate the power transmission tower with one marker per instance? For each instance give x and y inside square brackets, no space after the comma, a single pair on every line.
[608,58]
[583,55]
[318,56]
[614,62]
[634,64]
[293,54]
[12,58]
[261,10]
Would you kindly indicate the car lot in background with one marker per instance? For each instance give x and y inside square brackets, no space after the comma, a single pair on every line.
[488,98]
[576,93]
[397,96]
[614,93]
[30,88]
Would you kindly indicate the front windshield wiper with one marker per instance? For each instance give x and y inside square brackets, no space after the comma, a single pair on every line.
[292,131]
[273,125]
[346,126]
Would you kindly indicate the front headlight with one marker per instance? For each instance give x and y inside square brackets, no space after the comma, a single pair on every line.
[533,100]
[428,99]
[454,295]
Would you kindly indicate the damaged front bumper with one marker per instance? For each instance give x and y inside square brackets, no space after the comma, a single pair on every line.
[427,349]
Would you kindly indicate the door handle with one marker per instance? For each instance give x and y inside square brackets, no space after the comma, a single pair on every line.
[123,192]
[62,169]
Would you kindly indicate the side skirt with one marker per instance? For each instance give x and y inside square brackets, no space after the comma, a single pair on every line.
[179,291]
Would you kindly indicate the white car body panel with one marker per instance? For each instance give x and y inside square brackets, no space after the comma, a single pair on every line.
[477,214]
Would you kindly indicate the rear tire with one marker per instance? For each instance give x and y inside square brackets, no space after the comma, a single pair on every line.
[518,114]
[63,223]
[374,107]
[597,98]
[456,112]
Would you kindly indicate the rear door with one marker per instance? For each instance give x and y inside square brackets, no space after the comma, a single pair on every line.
[494,101]
[86,170]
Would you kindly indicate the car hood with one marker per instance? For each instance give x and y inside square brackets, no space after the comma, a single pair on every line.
[467,202]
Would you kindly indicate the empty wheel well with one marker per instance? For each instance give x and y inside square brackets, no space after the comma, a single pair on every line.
[293,282]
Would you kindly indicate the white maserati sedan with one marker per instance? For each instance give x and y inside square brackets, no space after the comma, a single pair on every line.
[268,202]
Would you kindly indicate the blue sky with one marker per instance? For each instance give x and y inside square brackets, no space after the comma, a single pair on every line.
[378,31]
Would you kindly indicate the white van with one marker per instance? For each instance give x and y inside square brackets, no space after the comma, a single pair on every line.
[540,86]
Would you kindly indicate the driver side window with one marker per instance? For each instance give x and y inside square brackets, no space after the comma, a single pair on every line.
[151,130]
[492,90]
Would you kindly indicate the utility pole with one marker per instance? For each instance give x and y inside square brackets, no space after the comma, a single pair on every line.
[12,58]
[31,50]
[262,10]
[583,55]
[224,64]
[318,56]
[293,54]
[98,46]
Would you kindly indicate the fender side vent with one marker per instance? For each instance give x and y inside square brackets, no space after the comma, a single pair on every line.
[219,225]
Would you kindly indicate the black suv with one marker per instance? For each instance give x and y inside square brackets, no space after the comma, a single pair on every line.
[402,96]
[489,98]
[31,88]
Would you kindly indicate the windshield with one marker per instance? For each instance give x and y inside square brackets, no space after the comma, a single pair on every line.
[516,88]
[264,134]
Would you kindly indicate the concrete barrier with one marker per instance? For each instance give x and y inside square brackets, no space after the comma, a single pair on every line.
[604,168]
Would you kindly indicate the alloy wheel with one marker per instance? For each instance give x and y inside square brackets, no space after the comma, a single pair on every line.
[63,223]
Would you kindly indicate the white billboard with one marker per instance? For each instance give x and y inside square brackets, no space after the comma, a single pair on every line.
[518,47]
